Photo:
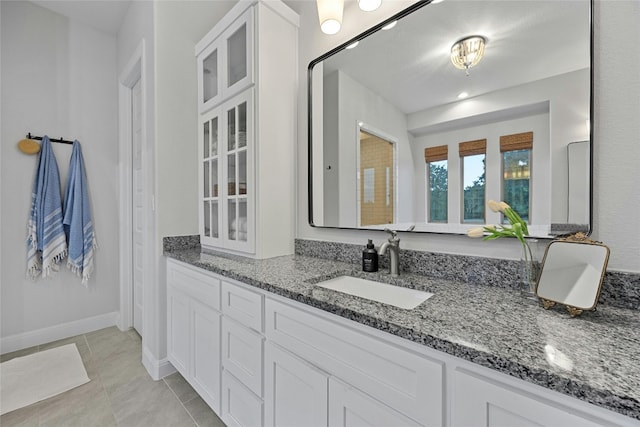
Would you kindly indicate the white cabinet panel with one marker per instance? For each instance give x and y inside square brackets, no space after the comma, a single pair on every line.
[206,354]
[242,354]
[243,305]
[178,344]
[404,380]
[295,391]
[349,407]
[479,401]
[240,407]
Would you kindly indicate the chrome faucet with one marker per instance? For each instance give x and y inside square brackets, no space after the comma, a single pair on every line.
[393,244]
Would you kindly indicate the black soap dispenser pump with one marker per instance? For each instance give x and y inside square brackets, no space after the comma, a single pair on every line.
[370,258]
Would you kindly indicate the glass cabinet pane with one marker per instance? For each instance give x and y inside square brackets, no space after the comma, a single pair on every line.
[214,178]
[231,129]
[242,220]
[231,174]
[207,219]
[206,139]
[242,125]
[210,76]
[215,232]
[233,222]
[207,179]
[214,137]
[242,172]
[237,56]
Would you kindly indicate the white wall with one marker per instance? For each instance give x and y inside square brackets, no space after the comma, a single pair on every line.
[617,108]
[58,78]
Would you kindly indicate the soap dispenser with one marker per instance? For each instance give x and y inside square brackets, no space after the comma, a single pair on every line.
[370,258]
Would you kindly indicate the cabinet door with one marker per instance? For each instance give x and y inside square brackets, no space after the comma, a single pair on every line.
[209,76]
[237,45]
[179,330]
[479,401]
[240,407]
[348,407]
[237,173]
[210,172]
[242,354]
[295,391]
[206,353]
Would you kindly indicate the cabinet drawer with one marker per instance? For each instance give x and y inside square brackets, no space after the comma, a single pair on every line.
[199,285]
[242,354]
[243,305]
[406,381]
[240,407]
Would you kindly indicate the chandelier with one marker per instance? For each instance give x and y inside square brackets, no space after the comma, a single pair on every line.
[467,52]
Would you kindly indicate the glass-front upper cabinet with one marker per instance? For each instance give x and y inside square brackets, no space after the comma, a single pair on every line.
[225,67]
[226,175]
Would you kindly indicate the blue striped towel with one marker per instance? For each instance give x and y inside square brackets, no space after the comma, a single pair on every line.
[46,242]
[77,218]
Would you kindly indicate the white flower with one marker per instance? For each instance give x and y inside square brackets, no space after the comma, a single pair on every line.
[476,232]
[494,206]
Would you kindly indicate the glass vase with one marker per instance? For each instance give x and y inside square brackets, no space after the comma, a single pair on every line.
[528,273]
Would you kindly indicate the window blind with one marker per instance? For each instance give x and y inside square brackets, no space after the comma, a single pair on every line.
[471,148]
[436,154]
[517,141]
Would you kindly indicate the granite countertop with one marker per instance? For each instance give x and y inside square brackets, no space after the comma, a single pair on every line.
[593,357]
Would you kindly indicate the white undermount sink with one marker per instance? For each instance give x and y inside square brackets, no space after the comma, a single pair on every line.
[388,294]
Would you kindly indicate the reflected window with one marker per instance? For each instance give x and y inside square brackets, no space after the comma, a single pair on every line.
[516,172]
[437,183]
[473,155]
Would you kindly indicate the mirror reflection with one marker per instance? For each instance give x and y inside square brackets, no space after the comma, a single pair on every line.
[458,103]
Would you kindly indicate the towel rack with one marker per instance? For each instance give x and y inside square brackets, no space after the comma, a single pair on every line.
[60,140]
[29,146]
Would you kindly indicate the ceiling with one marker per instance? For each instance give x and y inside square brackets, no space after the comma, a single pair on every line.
[105,15]
[528,40]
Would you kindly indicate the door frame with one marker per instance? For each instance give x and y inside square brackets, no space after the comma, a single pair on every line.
[132,72]
[364,127]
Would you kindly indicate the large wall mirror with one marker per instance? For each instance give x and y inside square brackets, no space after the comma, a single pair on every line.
[393,141]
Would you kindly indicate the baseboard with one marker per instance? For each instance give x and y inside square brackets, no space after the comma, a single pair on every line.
[57,332]
[157,369]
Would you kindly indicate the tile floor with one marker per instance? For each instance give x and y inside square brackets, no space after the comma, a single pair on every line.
[120,392]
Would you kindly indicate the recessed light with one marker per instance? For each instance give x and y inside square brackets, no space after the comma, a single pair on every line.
[436,1]
[463,95]
[390,25]
[369,5]
[352,45]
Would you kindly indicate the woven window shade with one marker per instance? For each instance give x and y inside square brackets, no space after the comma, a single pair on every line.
[517,141]
[471,148]
[435,154]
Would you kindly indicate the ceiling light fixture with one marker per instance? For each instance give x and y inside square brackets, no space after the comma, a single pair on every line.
[463,95]
[390,25]
[352,45]
[369,5]
[330,15]
[467,52]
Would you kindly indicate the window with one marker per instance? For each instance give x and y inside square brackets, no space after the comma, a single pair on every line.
[437,183]
[516,172]
[472,155]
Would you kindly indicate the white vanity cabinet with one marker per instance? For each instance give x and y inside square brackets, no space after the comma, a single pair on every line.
[247,97]
[259,359]
[193,321]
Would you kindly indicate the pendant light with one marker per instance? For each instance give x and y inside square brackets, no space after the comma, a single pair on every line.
[330,15]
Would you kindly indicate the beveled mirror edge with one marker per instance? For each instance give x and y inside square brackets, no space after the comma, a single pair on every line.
[419,4]
[578,238]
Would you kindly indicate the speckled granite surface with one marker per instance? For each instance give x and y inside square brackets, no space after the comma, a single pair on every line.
[593,358]
[619,289]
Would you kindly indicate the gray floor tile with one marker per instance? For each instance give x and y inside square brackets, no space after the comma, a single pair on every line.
[120,392]
[180,387]
[202,413]
[149,401]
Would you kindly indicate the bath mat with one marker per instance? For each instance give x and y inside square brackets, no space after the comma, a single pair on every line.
[30,379]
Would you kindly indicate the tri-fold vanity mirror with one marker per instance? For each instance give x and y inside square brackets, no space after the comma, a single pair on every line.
[391,144]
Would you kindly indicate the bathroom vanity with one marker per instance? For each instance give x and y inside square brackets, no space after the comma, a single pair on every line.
[264,344]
